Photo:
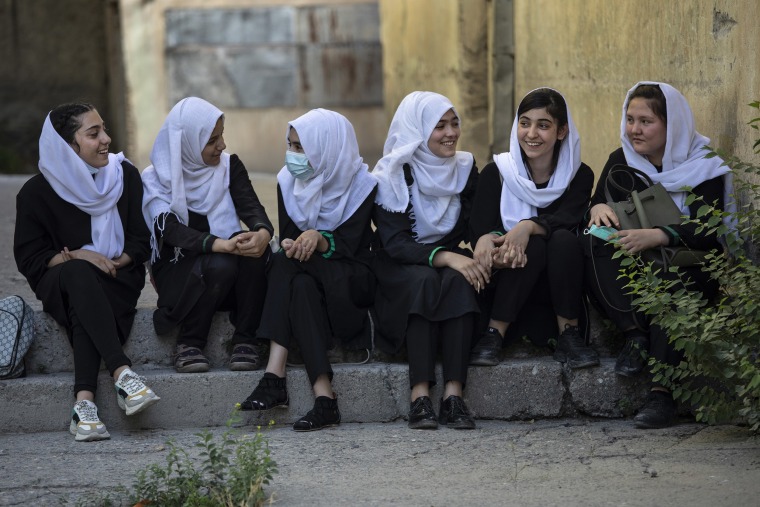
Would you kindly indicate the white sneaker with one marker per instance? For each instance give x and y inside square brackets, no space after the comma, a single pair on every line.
[85,424]
[132,394]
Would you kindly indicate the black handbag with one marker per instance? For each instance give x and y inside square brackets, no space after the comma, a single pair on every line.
[651,207]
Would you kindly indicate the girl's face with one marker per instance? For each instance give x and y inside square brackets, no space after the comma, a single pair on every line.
[538,133]
[646,131]
[443,140]
[212,152]
[294,142]
[91,140]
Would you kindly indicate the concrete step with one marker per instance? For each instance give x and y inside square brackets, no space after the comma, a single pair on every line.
[521,389]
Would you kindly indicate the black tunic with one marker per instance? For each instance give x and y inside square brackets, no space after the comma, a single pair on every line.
[532,296]
[407,281]
[343,275]
[178,288]
[45,224]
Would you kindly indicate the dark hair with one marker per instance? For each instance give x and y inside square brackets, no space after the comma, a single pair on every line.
[555,105]
[66,119]
[655,99]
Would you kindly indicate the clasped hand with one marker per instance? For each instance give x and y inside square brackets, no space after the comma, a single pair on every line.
[304,245]
[98,260]
[247,244]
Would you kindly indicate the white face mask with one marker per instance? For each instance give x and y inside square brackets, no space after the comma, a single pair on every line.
[298,165]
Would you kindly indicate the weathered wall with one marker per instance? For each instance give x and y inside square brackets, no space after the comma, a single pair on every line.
[440,46]
[53,52]
[260,73]
[593,51]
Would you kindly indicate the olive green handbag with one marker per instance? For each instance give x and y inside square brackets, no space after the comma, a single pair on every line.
[651,207]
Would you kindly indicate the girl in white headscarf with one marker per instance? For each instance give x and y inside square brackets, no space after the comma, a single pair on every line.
[320,283]
[527,209]
[658,137]
[427,283]
[81,243]
[196,195]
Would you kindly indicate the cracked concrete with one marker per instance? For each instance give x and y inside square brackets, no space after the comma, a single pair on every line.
[550,462]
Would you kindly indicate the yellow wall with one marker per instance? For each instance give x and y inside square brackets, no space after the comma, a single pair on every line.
[440,46]
[593,51]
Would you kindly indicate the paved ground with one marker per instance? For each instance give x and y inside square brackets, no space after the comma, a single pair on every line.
[550,462]
[554,462]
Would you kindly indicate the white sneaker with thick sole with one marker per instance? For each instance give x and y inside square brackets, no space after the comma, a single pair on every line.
[132,394]
[85,424]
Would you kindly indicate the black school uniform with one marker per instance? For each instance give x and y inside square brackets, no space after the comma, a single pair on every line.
[551,283]
[326,299]
[602,270]
[96,309]
[200,282]
[411,292]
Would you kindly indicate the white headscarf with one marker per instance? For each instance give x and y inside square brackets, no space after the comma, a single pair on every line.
[683,163]
[520,198]
[437,181]
[340,182]
[97,196]
[180,181]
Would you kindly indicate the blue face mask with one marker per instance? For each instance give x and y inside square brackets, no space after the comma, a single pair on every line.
[298,165]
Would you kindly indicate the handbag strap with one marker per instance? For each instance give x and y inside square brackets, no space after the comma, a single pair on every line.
[630,173]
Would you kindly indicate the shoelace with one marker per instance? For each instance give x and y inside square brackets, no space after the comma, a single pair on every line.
[132,383]
[87,412]
[458,407]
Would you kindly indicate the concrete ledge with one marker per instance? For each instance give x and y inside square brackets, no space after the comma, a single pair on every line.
[378,392]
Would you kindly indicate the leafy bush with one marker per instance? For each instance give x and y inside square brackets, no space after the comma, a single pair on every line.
[720,373]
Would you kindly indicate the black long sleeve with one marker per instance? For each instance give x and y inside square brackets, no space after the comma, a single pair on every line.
[566,212]
[350,240]
[709,191]
[394,230]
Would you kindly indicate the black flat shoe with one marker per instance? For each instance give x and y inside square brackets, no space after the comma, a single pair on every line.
[633,357]
[270,393]
[421,414]
[658,412]
[324,414]
[454,414]
[488,349]
[573,351]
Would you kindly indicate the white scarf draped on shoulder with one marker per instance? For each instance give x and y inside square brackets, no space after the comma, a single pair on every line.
[179,181]
[520,199]
[341,181]
[96,194]
[437,181]
[683,163]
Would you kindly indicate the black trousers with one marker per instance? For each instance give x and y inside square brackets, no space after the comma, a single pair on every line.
[229,283]
[296,310]
[552,276]
[422,339]
[608,291]
[93,333]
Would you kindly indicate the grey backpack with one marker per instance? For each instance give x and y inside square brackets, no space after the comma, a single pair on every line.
[16,335]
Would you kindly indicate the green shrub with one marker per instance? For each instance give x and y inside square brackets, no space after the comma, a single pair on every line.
[720,373]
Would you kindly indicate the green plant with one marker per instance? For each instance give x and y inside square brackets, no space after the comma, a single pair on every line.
[720,339]
[231,472]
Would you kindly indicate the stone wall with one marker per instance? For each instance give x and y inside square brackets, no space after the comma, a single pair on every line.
[262,62]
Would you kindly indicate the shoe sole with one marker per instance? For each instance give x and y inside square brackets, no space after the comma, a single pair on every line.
[193,368]
[317,429]
[136,408]
[88,437]
[279,405]
[628,374]
[424,425]
[460,426]
[647,426]
[243,366]
[575,365]
[485,362]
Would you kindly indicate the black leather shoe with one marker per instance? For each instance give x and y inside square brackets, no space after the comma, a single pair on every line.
[658,412]
[573,351]
[633,357]
[421,414]
[325,413]
[488,349]
[271,392]
[454,414]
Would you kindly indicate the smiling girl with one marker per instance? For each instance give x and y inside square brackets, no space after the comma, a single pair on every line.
[529,203]
[81,243]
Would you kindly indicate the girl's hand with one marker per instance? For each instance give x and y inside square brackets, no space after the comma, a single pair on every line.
[224,246]
[511,253]
[602,214]
[638,240]
[306,244]
[122,261]
[253,244]
[475,274]
[484,250]
[98,260]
